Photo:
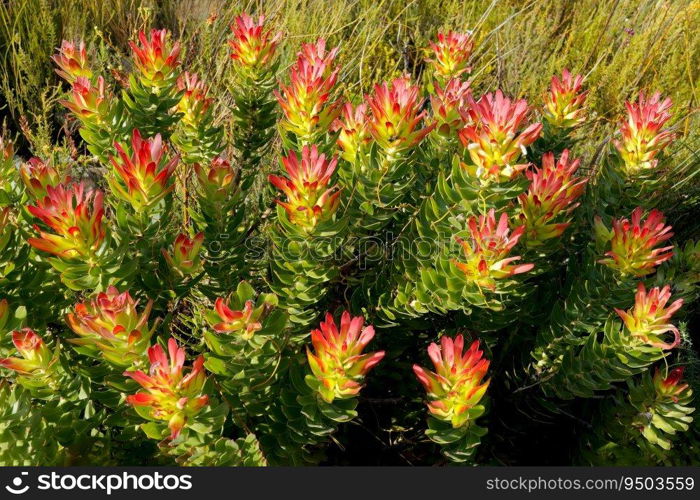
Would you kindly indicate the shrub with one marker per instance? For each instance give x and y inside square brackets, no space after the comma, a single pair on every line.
[174,293]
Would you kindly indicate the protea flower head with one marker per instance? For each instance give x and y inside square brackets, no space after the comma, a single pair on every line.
[487,251]
[553,192]
[88,102]
[669,388]
[632,243]
[71,59]
[37,176]
[308,114]
[36,359]
[142,179]
[110,325]
[456,386]
[252,46]
[309,199]
[155,59]
[354,138]
[185,258]
[450,54]
[75,214]
[564,103]
[494,139]
[642,135]
[337,363]
[244,322]
[217,181]
[449,106]
[168,394]
[194,102]
[649,319]
[396,116]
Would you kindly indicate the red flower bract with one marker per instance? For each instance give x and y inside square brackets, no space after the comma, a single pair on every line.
[396,115]
[632,243]
[649,319]
[142,179]
[456,385]
[494,139]
[75,215]
[337,362]
[309,200]
[169,395]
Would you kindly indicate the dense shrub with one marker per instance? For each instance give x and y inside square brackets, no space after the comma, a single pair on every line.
[256,287]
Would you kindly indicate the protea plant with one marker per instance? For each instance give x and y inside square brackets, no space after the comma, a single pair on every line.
[487,251]
[253,46]
[550,199]
[185,257]
[354,138]
[450,55]
[564,104]
[495,139]
[307,102]
[111,326]
[632,243]
[74,213]
[144,178]
[396,117]
[309,199]
[71,59]
[643,135]
[649,319]
[37,176]
[156,59]
[168,394]
[337,364]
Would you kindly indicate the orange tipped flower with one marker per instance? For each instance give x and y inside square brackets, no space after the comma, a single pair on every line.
[169,395]
[642,136]
[396,116]
[552,195]
[308,113]
[564,104]
[451,53]
[194,103]
[494,139]
[252,46]
[488,249]
[37,176]
[337,362]
[244,322]
[354,137]
[632,243]
[185,257]
[155,59]
[217,181]
[309,200]
[111,325]
[450,107]
[649,319]
[669,388]
[142,179]
[455,387]
[36,359]
[87,102]
[75,215]
[72,61]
